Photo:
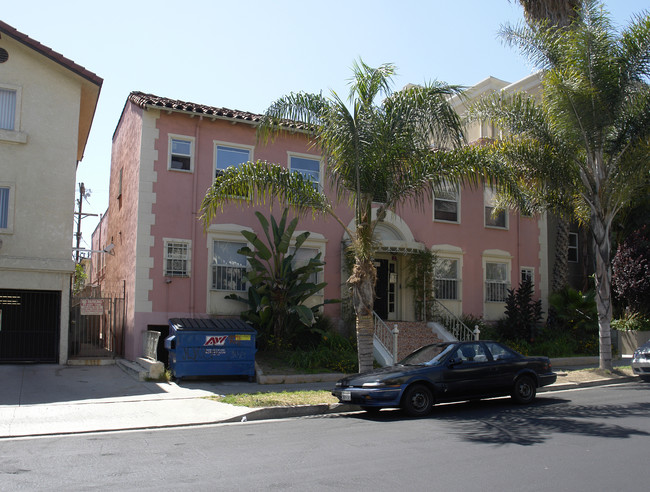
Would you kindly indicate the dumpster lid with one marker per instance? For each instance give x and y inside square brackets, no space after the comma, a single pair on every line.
[209,324]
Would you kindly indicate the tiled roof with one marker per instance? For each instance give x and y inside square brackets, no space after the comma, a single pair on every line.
[49,53]
[150,100]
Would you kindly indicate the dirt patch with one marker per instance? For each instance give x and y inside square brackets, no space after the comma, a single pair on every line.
[587,375]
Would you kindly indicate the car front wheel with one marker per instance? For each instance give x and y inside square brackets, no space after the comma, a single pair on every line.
[524,390]
[417,400]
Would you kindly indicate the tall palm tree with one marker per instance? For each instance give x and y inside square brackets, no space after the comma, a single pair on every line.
[555,14]
[558,13]
[590,133]
[374,152]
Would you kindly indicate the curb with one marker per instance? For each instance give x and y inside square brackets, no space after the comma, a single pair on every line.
[271,413]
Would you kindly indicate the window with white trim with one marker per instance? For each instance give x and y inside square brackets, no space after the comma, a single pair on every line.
[227,155]
[527,273]
[181,153]
[228,266]
[492,219]
[4,207]
[8,98]
[496,282]
[309,167]
[446,279]
[302,257]
[177,257]
[573,247]
[446,203]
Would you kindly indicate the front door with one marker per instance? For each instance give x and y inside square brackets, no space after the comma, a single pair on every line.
[381,289]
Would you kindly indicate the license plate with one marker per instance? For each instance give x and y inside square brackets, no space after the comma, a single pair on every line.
[346,395]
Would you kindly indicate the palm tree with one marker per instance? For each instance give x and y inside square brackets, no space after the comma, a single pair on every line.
[555,14]
[558,13]
[586,144]
[374,153]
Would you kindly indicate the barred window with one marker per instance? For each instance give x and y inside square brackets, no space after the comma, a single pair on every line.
[228,266]
[177,258]
[496,282]
[446,279]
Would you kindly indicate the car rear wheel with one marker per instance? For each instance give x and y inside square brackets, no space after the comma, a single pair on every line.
[417,400]
[524,390]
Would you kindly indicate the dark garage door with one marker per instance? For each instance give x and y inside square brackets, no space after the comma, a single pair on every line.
[29,325]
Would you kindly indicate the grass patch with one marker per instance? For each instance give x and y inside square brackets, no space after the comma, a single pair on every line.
[281,399]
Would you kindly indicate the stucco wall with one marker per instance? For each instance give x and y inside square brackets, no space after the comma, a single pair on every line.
[39,166]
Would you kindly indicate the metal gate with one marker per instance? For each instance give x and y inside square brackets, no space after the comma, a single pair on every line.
[29,325]
[96,327]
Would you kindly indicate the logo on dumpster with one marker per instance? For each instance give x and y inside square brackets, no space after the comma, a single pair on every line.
[215,340]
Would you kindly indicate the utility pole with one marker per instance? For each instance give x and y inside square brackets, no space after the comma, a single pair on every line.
[79,216]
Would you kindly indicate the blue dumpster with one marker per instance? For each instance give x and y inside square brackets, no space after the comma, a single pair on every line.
[211,347]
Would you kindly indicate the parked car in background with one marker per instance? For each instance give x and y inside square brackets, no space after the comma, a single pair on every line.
[445,372]
[641,361]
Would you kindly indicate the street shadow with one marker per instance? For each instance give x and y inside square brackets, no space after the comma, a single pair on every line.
[31,384]
[500,422]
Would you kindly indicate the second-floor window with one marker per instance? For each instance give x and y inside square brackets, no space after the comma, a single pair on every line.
[7,109]
[309,168]
[228,266]
[180,154]
[499,219]
[445,204]
[227,156]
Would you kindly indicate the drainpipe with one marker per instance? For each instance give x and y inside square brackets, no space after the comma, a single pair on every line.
[194,214]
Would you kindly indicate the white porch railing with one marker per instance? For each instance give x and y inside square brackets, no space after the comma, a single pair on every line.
[386,337]
[449,320]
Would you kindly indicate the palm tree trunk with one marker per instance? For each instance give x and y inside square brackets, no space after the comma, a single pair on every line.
[561,263]
[362,281]
[603,289]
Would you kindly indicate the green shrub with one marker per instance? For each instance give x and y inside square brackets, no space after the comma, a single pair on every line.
[333,352]
[631,322]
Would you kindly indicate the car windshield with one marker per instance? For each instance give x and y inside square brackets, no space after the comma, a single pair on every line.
[430,355]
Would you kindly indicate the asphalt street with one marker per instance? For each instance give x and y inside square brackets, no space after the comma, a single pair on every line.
[588,439]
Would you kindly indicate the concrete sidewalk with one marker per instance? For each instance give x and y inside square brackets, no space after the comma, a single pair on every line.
[51,399]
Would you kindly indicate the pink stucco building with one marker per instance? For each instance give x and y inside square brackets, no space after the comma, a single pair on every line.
[166,154]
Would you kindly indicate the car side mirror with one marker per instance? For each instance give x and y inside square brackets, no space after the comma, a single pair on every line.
[454,362]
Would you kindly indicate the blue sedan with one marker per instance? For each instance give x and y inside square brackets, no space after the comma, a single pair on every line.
[445,372]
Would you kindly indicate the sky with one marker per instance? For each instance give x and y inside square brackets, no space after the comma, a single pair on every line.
[244,54]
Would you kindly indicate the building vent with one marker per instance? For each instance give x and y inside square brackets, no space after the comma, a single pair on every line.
[4,56]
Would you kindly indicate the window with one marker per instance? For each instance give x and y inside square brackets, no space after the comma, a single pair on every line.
[302,257]
[500,352]
[228,266]
[177,258]
[307,166]
[500,219]
[446,279]
[119,184]
[226,156]
[4,207]
[7,109]
[496,282]
[573,247]
[527,273]
[180,153]
[445,204]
